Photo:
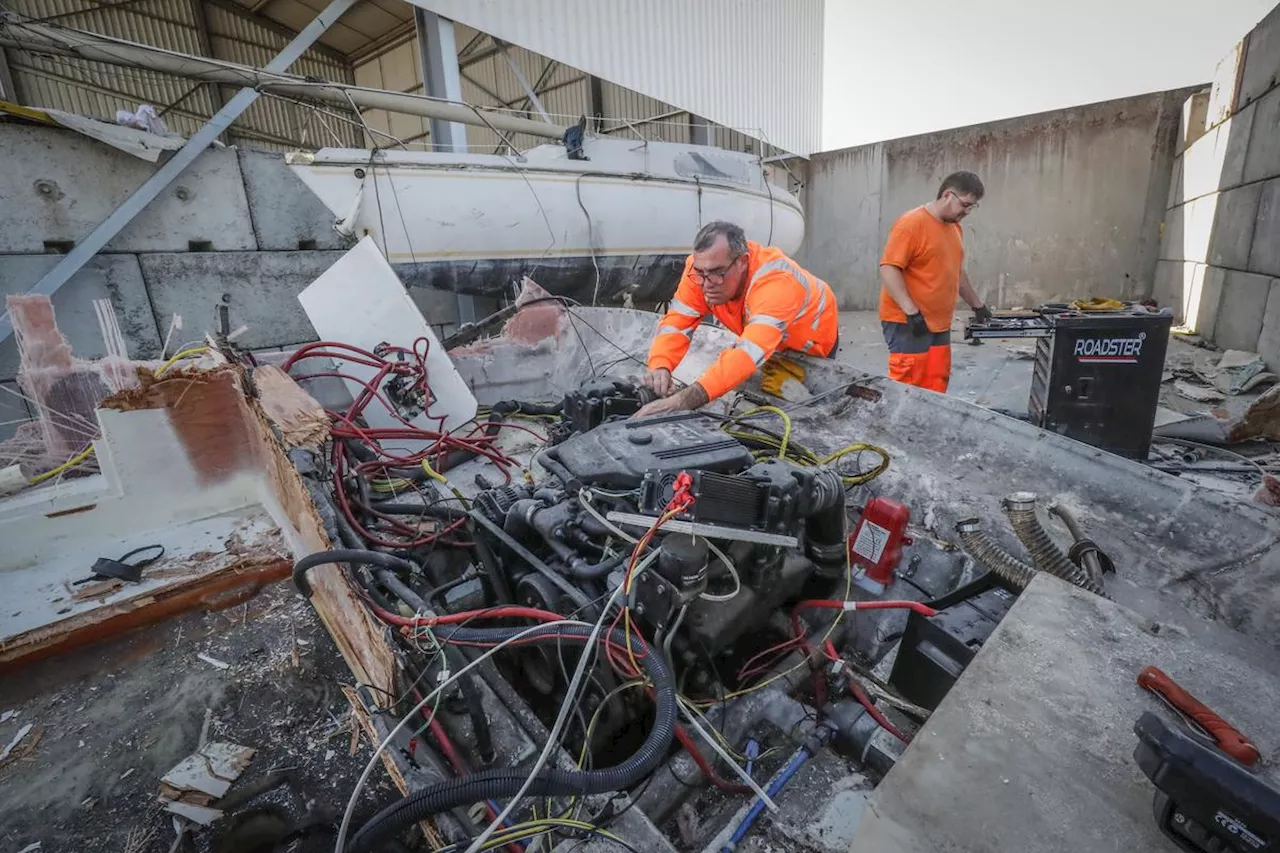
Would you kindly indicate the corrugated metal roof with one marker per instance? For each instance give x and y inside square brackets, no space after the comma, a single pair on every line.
[755,65]
[100,90]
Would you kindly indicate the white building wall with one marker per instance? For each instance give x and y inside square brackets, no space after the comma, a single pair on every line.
[752,65]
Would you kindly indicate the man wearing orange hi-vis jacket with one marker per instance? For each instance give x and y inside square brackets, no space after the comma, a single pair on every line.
[768,300]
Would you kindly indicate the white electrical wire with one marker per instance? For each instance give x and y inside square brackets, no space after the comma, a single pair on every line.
[584,496]
[373,760]
[746,777]
[566,708]
[733,571]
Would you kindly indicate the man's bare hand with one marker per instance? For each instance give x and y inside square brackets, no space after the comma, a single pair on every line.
[660,381]
[686,399]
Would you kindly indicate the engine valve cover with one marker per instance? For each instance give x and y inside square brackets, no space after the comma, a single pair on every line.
[618,454]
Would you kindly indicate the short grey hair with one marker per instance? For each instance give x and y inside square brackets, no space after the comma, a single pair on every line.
[734,234]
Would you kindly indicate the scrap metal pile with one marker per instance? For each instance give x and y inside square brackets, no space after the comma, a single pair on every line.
[647,613]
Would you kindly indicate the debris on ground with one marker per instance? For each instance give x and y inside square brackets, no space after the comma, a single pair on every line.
[206,774]
[1199,393]
[1260,420]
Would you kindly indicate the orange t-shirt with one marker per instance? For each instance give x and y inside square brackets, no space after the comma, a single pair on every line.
[930,254]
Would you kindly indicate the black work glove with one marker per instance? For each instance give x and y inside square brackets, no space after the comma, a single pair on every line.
[982,314]
[917,326]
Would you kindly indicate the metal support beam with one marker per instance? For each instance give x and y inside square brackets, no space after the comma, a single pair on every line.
[439,53]
[529,91]
[699,130]
[74,260]
[231,7]
[200,14]
[442,78]
[595,103]
[8,91]
[538,88]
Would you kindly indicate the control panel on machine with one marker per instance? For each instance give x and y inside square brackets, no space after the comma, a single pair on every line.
[1096,376]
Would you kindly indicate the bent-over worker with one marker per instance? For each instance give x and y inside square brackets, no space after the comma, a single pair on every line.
[756,292]
[921,274]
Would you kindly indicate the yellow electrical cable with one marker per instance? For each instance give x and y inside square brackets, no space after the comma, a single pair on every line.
[70,463]
[440,478]
[186,353]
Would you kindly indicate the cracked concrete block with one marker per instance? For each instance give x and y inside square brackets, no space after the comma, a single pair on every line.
[287,216]
[1264,256]
[1261,59]
[1244,303]
[1269,339]
[1233,227]
[1225,85]
[260,288]
[1262,160]
[13,410]
[1175,184]
[114,277]
[69,184]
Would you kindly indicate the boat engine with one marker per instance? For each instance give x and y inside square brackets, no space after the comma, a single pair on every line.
[753,535]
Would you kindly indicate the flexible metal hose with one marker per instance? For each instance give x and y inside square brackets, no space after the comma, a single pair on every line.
[984,549]
[1045,554]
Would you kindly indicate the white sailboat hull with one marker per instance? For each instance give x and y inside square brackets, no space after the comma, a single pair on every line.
[619,222]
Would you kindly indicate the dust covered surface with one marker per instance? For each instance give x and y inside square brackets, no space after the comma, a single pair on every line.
[113,718]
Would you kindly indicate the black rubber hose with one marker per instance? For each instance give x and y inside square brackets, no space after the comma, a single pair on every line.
[500,784]
[366,558]
[449,513]
[550,459]
[582,570]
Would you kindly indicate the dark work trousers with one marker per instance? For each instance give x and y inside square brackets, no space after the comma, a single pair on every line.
[923,360]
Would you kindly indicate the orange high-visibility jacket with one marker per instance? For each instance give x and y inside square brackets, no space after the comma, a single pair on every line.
[781,307]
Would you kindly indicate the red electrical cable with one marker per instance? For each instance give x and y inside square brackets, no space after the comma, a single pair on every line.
[686,740]
[865,701]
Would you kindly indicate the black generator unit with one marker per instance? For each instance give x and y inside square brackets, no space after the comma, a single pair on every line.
[936,649]
[1097,373]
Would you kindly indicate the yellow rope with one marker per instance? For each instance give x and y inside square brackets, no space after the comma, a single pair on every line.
[70,463]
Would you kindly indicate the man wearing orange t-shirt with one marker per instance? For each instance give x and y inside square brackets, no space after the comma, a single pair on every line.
[921,274]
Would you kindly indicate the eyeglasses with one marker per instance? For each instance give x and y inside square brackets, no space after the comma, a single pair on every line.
[966,205]
[717,274]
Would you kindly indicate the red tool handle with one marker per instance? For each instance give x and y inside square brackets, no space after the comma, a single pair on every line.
[1229,739]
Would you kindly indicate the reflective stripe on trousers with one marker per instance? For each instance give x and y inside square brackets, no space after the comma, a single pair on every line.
[921,360]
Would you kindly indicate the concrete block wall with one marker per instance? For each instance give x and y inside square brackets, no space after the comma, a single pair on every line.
[1220,251]
[1073,207]
[237,228]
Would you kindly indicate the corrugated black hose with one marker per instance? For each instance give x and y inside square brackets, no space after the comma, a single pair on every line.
[986,551]
[499,784]
[1047,556]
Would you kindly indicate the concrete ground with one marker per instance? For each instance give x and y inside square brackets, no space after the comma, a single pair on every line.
[997,374]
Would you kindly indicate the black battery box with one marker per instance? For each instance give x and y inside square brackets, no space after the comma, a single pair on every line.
[936,649]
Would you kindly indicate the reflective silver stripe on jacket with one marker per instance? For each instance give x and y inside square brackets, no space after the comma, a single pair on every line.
[791,269]
[685,310]
[752,349]
[767,320]
[822,305]
[672,330]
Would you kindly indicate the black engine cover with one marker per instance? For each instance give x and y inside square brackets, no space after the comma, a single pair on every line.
[617,455]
